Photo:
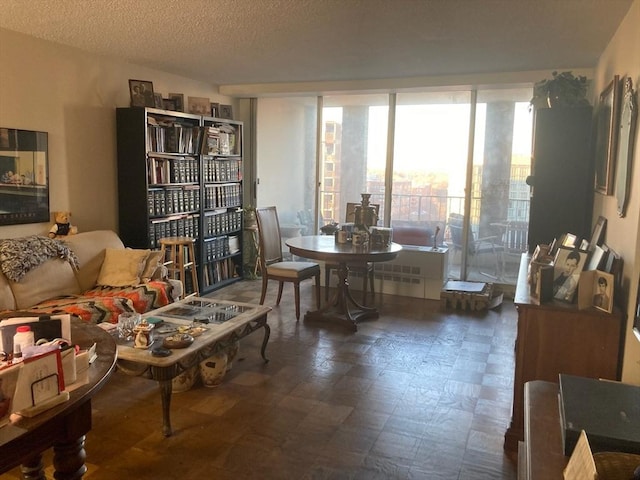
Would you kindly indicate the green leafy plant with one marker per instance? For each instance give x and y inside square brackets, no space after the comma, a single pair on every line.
[563,90]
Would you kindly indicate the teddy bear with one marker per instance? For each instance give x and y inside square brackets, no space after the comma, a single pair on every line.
[63,226]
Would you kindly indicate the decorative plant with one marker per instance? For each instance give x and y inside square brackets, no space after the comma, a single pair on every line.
[564,89]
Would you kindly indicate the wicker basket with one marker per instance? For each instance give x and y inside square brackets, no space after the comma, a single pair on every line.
[616,465]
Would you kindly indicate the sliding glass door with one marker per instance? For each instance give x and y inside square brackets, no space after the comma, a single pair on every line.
[451,162]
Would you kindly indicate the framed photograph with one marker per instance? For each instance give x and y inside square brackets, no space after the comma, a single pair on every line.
[178,98]
[568,240]
[597,236]
[606,136]
[215,109]
[597,258]
[603,285]
[24,177]
[141,92]
[169,104]
[567,265]
[157,100]
[226,111]
[199,105]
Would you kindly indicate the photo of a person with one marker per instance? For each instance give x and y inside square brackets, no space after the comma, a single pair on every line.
[602,293]
[568,266]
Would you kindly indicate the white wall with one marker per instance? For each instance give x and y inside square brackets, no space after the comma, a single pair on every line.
[622,57]
[73,96]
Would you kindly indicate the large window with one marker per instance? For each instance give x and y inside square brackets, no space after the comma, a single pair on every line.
[475,197]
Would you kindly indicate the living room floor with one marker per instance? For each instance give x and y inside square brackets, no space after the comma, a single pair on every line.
[419,393]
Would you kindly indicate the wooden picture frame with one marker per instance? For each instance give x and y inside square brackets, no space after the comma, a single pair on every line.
[169,104]
[567,265]
[603,290]
[141,93]
[606,136]
[199,105]
[226,111]
[178,99]
[157,100]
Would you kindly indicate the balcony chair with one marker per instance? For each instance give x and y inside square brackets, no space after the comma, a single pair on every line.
[272,266]
[364,269]
[476,246]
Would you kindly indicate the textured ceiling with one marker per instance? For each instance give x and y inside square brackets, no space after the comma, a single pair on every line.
[232,42]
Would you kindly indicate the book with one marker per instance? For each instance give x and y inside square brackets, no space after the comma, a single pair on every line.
[608,411]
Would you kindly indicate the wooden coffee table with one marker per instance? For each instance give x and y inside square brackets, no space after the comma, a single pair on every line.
[228,322]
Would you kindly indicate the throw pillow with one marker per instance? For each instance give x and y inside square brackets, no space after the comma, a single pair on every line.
[154,262]
[122,267]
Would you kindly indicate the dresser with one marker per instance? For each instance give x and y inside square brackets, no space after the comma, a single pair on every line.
[554,338]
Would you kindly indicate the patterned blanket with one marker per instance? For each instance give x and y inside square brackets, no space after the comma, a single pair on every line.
[19,255]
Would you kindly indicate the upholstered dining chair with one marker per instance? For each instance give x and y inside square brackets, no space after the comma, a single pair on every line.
[272,265]
[365,269]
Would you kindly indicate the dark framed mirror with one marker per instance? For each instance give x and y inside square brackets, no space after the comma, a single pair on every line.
[24,177]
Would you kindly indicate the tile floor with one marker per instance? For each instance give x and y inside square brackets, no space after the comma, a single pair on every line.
[417,394]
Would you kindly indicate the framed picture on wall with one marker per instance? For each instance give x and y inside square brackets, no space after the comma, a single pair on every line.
[606,136]
[226,111]
[199,105]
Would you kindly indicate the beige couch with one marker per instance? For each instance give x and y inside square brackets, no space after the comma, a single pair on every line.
[54,286]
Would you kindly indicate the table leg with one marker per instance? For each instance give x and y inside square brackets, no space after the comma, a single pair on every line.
[68,460]
[342,301]
[267,333]
[164,375]
[33,469]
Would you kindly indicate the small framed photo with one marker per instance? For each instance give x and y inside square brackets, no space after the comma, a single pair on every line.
[199,105]
[141,92]
[215,109]
[169,104]
[157,100]
[567,265]
[607,136]
[178,98]
[603,285]
[226,111]
[597,236]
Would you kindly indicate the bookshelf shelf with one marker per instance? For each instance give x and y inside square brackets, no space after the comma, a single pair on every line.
[180,174]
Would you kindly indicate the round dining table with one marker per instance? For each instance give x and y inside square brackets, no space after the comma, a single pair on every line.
[326,248]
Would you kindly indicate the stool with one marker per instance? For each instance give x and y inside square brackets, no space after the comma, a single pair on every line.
[179,255]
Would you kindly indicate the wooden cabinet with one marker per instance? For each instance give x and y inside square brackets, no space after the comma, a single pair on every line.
[562,175]
[180,174]
[555,338]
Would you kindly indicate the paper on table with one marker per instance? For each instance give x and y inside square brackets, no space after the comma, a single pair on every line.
[581,465]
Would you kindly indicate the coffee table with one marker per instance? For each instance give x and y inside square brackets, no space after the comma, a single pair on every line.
[225,322]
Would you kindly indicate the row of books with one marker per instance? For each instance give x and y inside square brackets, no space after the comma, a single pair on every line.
[176,138]
[168,135]
[220,139]
[177,226]
[220,247]
[219,196]
[222,169]
[172,169]
[220,270]
[220,223]
[167,201]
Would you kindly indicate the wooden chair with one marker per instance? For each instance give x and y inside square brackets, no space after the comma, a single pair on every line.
[365,269]
[272,266]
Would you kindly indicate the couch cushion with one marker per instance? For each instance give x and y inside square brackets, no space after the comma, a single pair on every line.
[122,267]
[154,262]
[89,247]
[53,278]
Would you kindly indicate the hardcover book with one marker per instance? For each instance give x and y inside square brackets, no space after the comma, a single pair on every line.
[608,411]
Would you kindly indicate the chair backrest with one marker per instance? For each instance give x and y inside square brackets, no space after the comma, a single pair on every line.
[456,223]
[516,237]
[269,236]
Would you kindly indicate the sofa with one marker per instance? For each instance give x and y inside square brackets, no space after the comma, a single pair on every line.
[90,275]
